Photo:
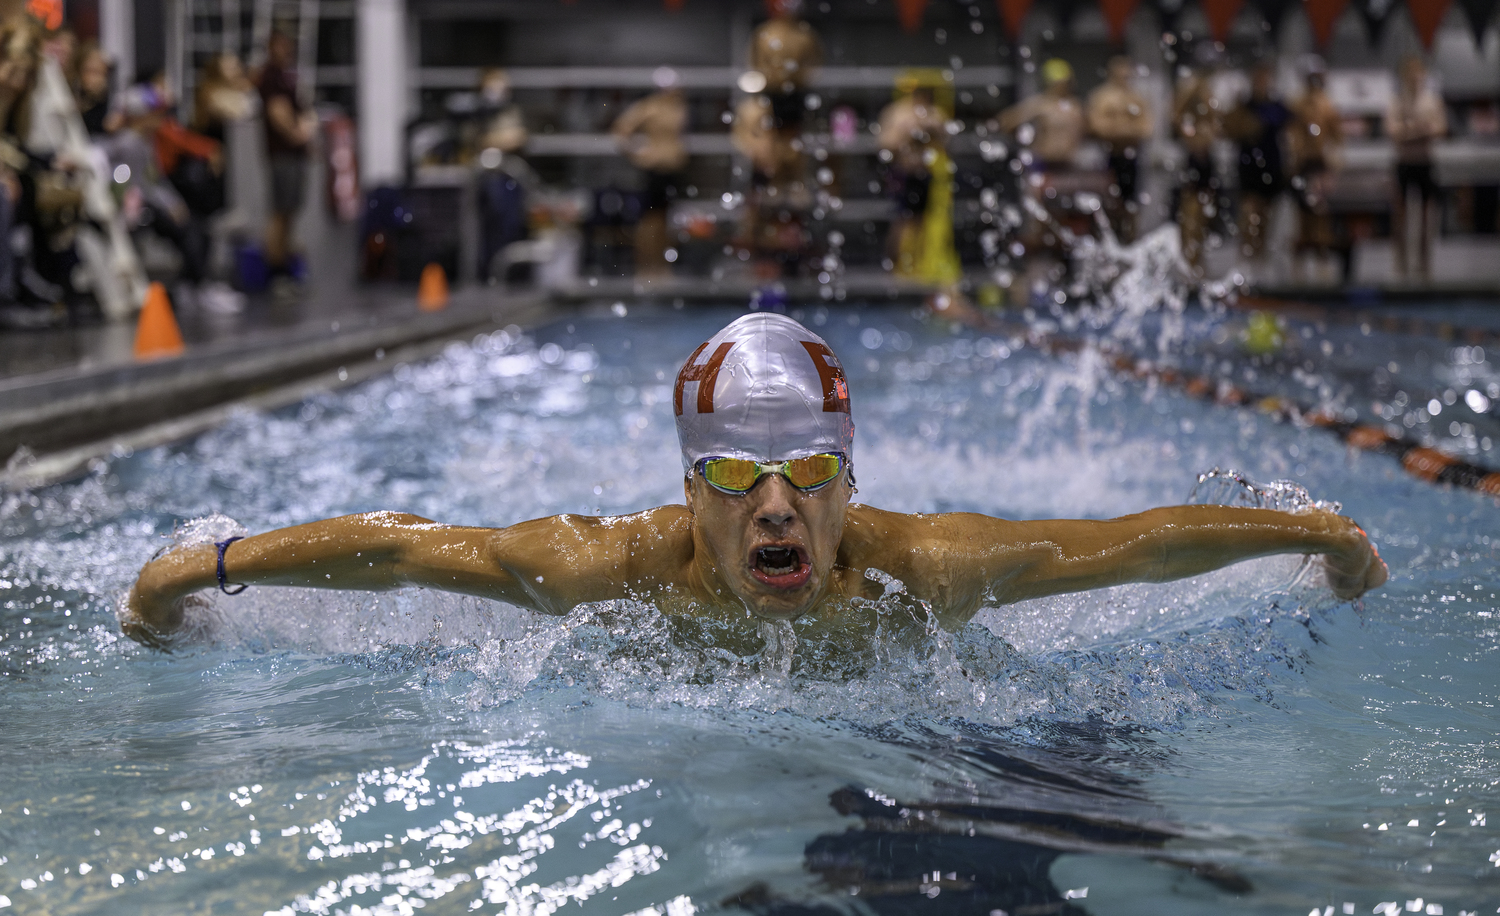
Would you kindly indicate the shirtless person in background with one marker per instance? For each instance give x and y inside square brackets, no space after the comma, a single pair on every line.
[912,130]
[650,134]
[1049,129]
[1119,115]
[1415,119]
[1315,140]
[768,531]
[1054,116]
[787,52]
[1197,122]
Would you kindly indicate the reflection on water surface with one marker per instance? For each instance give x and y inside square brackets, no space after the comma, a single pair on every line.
[1234,743]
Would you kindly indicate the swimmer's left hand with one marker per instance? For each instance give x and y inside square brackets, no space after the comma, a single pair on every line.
[1355,566]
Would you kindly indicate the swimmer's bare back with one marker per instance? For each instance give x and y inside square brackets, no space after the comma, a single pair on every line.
[956,562]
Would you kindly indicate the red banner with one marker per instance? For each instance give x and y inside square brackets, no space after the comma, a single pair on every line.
[1220,15]
[1013,13]
[1117,13]
[910,12]
[1427,15]
[1322,15]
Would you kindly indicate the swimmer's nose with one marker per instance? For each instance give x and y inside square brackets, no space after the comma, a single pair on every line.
[775,508]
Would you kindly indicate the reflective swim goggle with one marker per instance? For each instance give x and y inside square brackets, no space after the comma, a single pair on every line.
[740,475]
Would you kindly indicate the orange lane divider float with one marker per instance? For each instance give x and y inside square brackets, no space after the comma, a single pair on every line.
[156,333]
[432,290]
[1421,461]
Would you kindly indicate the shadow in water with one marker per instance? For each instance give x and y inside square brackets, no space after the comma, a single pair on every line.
[985,843]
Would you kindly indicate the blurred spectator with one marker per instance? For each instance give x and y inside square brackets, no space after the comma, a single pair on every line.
[61,45]
[40,191]
[754,136]
[155,149]
[1197,124]
[224,95]
[1316,142]
[786,51]
[912,135]
[1049,124]
[290,125]
[1416,117]
[650,134]
[88,74]
[493,135]
[784,54]
[769,228]
[1257,124]
[1119,116]
[1049,128]
[17,71]
[492,120]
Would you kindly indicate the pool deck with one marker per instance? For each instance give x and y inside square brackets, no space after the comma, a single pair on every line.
[71,396]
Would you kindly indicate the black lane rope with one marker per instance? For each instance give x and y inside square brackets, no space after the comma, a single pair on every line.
[1419,460]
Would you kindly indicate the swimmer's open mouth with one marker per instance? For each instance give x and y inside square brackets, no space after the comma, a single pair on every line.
[780,565]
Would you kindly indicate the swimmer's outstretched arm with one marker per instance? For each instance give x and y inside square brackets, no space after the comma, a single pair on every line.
[549,565]
[992,559]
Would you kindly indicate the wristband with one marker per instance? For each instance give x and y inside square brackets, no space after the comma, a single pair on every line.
[223,583]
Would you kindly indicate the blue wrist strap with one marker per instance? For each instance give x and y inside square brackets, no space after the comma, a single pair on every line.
[223,583]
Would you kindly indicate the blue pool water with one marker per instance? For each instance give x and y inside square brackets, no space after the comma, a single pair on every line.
[1235,743]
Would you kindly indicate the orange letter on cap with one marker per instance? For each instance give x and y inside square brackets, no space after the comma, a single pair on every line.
[706,375]
[835,389]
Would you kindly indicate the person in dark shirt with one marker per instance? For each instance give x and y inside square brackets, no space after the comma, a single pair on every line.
[1257,125]
[289,130]
[89,78]
[155,148]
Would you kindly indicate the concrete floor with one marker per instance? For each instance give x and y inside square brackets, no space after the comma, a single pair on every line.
[70,395]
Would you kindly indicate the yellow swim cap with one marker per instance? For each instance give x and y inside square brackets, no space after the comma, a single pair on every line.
[1056,70]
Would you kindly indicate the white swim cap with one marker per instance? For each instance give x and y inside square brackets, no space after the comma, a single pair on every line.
[764,388]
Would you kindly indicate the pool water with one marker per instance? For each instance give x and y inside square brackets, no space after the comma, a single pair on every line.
[1235,743]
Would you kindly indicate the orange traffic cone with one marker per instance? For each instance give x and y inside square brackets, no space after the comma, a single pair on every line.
[157,334]
[432,291]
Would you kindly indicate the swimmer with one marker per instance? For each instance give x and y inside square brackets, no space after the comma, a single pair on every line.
[768,529]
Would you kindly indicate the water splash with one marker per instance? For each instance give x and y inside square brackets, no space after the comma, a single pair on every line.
[1235,488]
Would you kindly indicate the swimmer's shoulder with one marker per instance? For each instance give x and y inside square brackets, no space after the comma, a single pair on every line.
[878,536]
[640,550]
[918,542]
[663,523]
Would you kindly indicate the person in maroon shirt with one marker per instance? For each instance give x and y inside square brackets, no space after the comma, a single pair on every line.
[289,131]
